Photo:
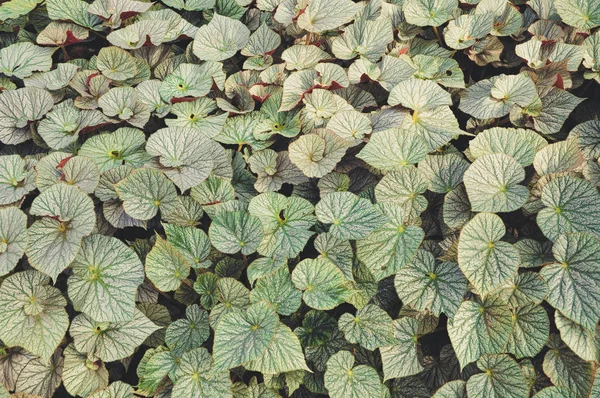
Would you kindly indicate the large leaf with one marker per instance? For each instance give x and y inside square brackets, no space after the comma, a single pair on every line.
[487,262]
[583,14]
[283,354]
[82,376]
[184,154]
[400,359]
[106,275]
[166,267]
[32,313]
[232,232]
[393,149]
[428,12]
[565,369]
[317,154]
[188,333]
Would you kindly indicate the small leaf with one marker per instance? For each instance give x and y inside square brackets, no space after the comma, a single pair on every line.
[371,327]
[13,238]
[166,267]
[400,359]
[110,341]
[232,232]
[344,380]
[241,337]
[197,377]
[82,376]
[324,285]
[317,16]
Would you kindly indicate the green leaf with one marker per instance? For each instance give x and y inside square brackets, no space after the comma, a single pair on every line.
[318,153]
[73,10]
[20,107]
[277,289]
[123,103]
[197,377]
[184,154]
[192,243]
[480,328]
[283,354]
[17,178]
[231,232]
[166,267]
[350,217]
[117,389]
[495,97]
[521,144]
[13,238]
[40,377]
[492,183]
[323,284]
[392,246]
[110,150]
[526,288]
[565,369]
[404,187]
[569,202]
[220,39]
[371,327]
[443,172]
[116,64]
[68,216]
[15,8]
[22,59]
[452,389]
[188,333]
[582,14]
[364,38]
[428,13]
[400,359]
[317,16]
[531,329]
[82,376]
[337,251]
[241,337]
[106,275]
[574,287]
[502,377]
[110,341]
[145,191]
[427,284]
[487,262]
[285,223]
[584,342]
[555,392]
[189,80]
[392,149]
[344,380]
[558,157]
[32,313]
[419,95]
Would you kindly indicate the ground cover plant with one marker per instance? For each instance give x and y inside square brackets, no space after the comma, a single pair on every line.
[299,198]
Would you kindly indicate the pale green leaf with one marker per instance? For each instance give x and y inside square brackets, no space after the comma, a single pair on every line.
[502,378]
[220,39]
[32,313]
[487,262]
[344,380]
[106,275]
[371,327]
[323,284]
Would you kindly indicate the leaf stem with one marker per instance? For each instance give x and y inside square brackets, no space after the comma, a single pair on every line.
[65,53]
[437,34]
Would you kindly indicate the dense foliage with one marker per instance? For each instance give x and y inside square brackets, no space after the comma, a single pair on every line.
[275,198]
